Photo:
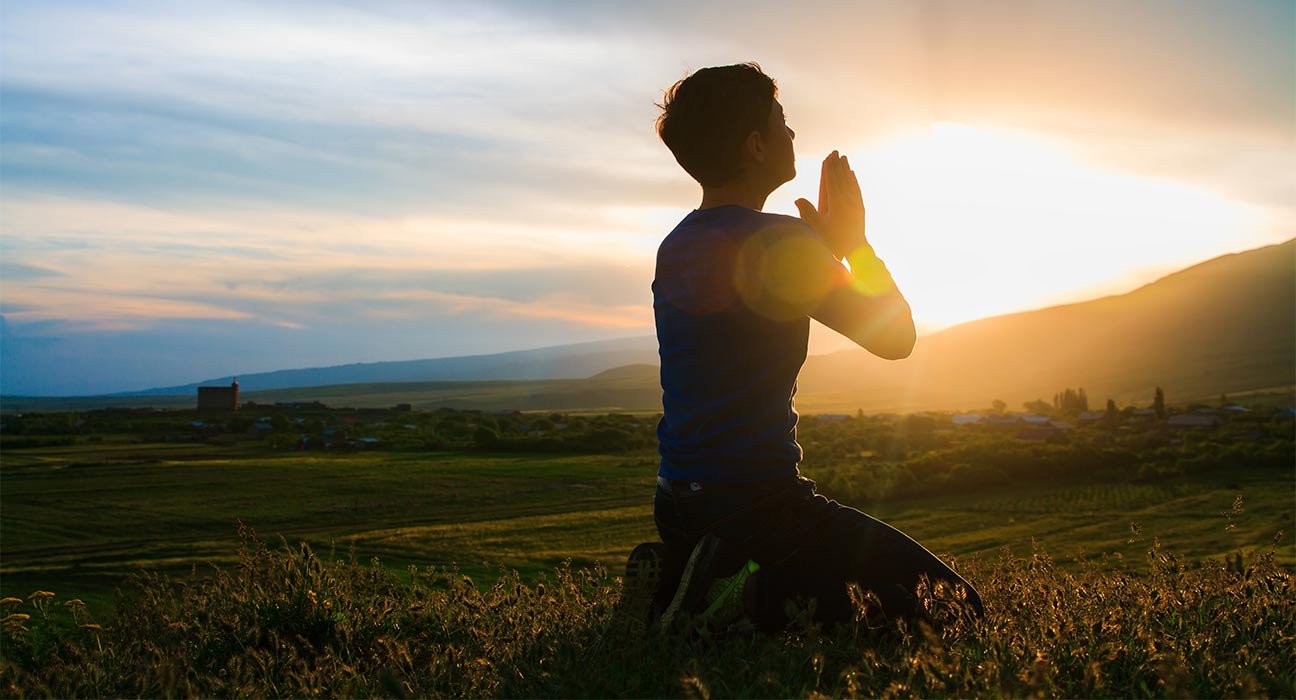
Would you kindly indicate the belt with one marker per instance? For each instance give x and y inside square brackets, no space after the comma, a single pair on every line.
[672,484]
[684,488]
[677,485]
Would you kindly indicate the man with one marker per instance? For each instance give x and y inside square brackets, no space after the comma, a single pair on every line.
[733,296]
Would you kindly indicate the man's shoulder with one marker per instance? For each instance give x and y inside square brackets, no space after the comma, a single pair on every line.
[713,244]
[783,220]
[704,226]
[751,219]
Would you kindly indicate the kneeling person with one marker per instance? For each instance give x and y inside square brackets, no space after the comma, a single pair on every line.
[733,295]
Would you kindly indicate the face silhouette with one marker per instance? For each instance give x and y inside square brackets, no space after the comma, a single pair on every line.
[780,159]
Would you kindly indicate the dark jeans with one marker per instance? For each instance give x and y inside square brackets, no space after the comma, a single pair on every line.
[805,543]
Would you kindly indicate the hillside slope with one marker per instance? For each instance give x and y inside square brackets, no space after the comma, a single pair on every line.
[1225,325]
[557,362]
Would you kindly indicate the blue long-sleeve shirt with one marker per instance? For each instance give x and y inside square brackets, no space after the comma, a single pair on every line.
[730,296]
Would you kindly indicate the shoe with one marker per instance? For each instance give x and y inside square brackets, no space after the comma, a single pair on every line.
[644,566]
[643,575]
[710,588]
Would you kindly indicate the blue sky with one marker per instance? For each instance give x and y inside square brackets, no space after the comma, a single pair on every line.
[192,190]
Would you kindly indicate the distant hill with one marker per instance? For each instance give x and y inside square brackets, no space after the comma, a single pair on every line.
[572,361]
[1224,325]
[634,389]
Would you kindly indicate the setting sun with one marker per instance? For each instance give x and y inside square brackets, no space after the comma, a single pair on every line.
[978,221]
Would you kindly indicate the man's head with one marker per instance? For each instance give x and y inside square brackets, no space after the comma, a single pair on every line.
[725,123]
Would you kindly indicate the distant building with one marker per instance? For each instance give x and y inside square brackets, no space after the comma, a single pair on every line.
[967,418]
[260,429]
[218,398]
[1002,421]
[1192,420]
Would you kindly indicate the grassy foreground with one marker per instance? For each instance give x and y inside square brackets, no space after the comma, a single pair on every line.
[79,519]
[284,622]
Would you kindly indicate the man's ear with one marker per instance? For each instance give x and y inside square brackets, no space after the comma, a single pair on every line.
[755,146]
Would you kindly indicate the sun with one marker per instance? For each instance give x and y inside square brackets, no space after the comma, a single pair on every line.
[976,220]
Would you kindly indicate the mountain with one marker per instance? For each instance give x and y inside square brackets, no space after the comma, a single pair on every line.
[572,361]
[1224,325]
[1227,325]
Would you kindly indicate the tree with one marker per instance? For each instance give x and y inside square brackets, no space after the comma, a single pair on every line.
[1111,408]
[1037,406]
[1158,403]
[1071,400]
[999,406]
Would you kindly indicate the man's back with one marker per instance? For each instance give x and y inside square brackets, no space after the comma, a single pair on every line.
[729,357]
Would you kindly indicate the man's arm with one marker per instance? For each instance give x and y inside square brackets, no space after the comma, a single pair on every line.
[863,303]
[869,309]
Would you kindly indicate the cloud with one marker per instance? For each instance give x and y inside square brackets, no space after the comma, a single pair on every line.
[98,311]
[301,270]
[350,111]
[587,313]
[17,271]
[414,107]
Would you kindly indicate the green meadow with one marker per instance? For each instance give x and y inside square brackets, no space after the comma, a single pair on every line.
[78,519]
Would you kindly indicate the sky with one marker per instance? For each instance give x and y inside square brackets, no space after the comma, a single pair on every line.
[191,190]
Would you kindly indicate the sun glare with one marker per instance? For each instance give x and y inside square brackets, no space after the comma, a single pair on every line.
[976,221]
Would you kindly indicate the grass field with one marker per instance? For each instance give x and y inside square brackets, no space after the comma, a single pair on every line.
[77,519]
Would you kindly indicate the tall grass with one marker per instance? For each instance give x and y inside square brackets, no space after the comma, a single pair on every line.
[286,622]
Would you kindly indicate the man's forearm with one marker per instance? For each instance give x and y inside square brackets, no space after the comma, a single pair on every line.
[884,322]
[868,273]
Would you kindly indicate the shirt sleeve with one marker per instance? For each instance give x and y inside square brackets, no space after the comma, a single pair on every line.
[784,271]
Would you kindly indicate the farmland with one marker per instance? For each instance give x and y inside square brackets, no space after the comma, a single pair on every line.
[81,513]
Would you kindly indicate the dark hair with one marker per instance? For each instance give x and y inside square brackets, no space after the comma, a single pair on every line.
[707,116]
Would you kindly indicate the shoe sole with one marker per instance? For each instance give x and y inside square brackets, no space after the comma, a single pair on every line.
[644,565]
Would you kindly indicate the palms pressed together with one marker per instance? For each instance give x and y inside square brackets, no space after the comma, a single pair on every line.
[839,218]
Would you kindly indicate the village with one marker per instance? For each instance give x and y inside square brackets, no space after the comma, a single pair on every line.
[219,418]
